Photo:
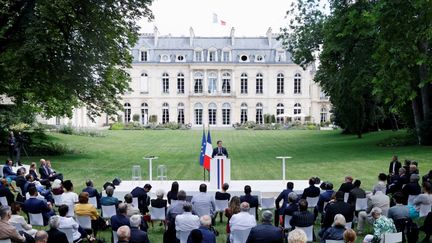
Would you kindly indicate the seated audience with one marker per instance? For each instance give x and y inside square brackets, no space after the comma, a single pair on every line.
[425,198]
[338,207]
[233,208]
[17,219]
[398,181]
[45,172]
[92,192]
[20,178]
[292,204]
[172,194]
[297,236]
[379,200]
[349,236]
[223,195]
[355,193]
[381,184]
[68,222]
[312,190]
[8,173]
[283,196]
[427,177]
[208,235]
[8,231]
[302,218]
[250,199]
[41,236]
[172,212]
[137,235]
[120,218]
[381,225]
[83,208]
[186,221]
[131,209]
[109,199]
[243,220]
[324,198]
[265,232]
[412,188]
[399,211]
[195,236]
[336,231]
[143,198]
[427,227]
[159,202]
[69,197]
[123,234]
[347,186]
[33,172]
[5,191]
[203,203]
[57,187]
[35,205]
[52,172]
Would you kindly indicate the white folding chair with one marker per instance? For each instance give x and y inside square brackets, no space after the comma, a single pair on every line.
[36,219]
[115,237]
[411,199]
[6,241]
[18,227]
[346,196]
[348,225]
[308,231]
[267,203]
[424,210]
[239,236]
[252,211]
[108,211]
[57,199]
[361,204]
[3,201]
[93,201]
[182,236]
[1,171]
[68,232]
[221,205]
[312,201]
[84,222]
[157,213]
[135,202]
[287,219]
[391,237]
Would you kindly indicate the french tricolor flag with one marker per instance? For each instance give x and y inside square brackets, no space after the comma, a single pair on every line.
[208,152]
[220,172]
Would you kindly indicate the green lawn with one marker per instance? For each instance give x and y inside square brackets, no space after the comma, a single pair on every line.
[326,154]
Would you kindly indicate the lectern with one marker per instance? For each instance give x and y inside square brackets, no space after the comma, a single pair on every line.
[220,171]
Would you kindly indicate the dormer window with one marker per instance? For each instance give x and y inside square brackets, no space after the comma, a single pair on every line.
[280,56]
[226,56]
[143,56]
[180,58]
[244,58]
[198,57]
[212,56]
[259,58]
[165,58]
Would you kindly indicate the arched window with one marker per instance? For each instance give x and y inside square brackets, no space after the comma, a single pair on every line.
[226,114]
[280,110]
[212,113]
[144,113]
[180,113]
[127,112]
[165,113]
[226,83]
[259,83]
[280,84]
[243,113]
[323,115]
[143,83]
[198,83]
[244,83]
[165,83]
[180,83]
[259,113]
[297,83]
[212,83]
[198,108]
[297,112]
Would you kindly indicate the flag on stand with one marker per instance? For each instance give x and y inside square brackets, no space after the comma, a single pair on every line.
[216,20]
[203,147]
[208,152]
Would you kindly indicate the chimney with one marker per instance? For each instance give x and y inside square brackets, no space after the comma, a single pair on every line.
[232,36]
[269,36]
[192,36]
[156,36]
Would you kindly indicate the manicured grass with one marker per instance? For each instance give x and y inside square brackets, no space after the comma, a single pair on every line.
[326,154]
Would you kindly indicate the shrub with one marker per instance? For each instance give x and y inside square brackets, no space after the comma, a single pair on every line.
[66,129]
[19,127]
[153,119]
[399,140]
[117,126]
[136,118]
[49,148]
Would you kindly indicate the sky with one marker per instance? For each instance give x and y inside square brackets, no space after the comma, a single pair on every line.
[248,17]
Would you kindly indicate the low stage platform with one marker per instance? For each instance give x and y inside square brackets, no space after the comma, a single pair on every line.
[261,188]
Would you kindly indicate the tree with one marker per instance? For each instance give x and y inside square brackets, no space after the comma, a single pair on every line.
[59,54]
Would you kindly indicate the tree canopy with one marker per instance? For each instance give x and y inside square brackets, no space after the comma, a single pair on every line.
[59,54]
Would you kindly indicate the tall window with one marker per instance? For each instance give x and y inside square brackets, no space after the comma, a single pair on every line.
[243,83]
[143,56]
[280,84]
[144,113]
[212,113]
[279,110]
[127,112]
[323,115]
[297,83]
[198,114]
[165,113]
[180,113]
[57,121]
[259,114]
[226,114]
[198,56]
[243,113]
[144,83]
[165,83]
[297,109]
[226,83]
[259,83]
[180,83]
[226,56]
[212,83]
[212,56]
[198,83]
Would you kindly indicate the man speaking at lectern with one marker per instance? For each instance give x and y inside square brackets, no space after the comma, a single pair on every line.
[219,150]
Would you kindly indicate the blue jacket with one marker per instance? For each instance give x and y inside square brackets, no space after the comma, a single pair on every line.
[265,233]
[34,205]
[283,196]
[7,171]
[119,220]
[333,233]
[324,197]
[207,235]
[138,236]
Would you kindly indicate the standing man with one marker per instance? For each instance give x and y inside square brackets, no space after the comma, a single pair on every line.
[219,150]
[394,166]
[12,145]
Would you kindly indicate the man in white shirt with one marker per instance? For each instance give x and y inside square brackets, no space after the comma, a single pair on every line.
[243,220]
[187,221]
[203,203]
[68,222]
[379,200]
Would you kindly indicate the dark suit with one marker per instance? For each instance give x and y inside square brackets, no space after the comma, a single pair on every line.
[138,236]
[394,167]
[158,203]
[34,205]
[7,171]
[208,236]
[335,208]
[311,191]
[346,187]
[253,202]
[34,174]
[302,219]
[119,220]
[56,236]
[93,193]
[222,196]
[265,233]
[143,199]
[219,152]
